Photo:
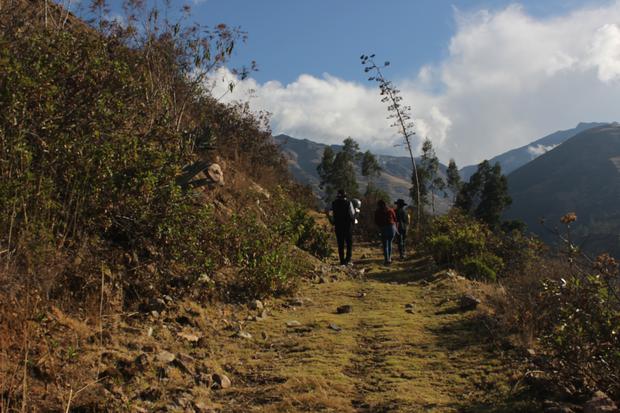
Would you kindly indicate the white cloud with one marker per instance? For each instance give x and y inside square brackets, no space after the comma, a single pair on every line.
[508,78]
[537,150]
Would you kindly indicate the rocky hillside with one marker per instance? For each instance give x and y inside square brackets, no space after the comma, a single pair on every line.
[518,157]
[583,176]
[304,155]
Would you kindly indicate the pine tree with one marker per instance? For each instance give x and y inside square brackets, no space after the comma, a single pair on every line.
[325,170]
[370,168]
[485,196]
[337,170]
[454,183]
[430,167]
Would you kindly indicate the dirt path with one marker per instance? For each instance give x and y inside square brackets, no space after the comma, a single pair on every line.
[404,347]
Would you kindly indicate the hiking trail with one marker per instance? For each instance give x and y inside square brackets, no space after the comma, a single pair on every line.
[405,346]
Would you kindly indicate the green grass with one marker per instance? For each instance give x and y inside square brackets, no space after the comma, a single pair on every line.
[384,359]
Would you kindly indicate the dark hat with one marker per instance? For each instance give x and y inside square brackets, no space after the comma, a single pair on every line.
[341,193]
[400,202]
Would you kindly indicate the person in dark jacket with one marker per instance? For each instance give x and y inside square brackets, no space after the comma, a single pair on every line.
[402,223]
[343,220]
[385,218]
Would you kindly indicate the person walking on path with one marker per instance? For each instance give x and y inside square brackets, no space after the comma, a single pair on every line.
[343,220]
[385,218]
[402,223]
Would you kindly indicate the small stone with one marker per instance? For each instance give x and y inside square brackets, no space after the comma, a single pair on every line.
[531,352]
[244,334]
[184,363]
[149,332]
[361,295]
[293,323]
[222,381]
[201,407]
[166,357]
[410,306]
[469,302]
[334,327]
[192,338]
[155,314]
[344,309]
[600,403]
[296,302]
[409,310]
[256,305]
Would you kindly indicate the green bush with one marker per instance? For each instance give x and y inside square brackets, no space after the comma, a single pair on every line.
[477,269]
[466,244]
[92,137]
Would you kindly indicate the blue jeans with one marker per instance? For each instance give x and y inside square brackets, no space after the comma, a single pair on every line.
[387,235]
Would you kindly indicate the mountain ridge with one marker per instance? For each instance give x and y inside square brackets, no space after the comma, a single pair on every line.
[582,175]
[517,157]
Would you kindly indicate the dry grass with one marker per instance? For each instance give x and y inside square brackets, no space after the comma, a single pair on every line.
[436,359]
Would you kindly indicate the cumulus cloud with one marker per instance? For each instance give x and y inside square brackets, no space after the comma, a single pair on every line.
[507,79]
[537,150]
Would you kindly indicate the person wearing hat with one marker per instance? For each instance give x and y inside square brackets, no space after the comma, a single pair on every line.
[402,223]
[343,220]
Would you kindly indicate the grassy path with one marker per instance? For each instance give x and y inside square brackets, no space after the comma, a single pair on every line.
[404,347]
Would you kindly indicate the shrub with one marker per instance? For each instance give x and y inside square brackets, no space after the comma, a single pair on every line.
[476,268]
[583,333]
[466,244]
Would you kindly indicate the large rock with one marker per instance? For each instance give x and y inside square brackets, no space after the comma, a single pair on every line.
[221,381]
[600,403]
[344,309]
[468,302]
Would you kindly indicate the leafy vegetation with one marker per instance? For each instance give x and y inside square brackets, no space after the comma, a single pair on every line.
[95,129]
[337,170]
[461,242]
[485,196]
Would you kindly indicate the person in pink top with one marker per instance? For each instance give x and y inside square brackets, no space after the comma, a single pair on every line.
[385,218]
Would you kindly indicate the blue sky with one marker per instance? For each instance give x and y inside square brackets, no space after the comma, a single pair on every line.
[292,37]
[482,76]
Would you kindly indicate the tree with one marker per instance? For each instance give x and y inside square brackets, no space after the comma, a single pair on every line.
[485,196]
[430,170]
[370,168]
[325,171]
[401,114]
[454,183]
[337,170]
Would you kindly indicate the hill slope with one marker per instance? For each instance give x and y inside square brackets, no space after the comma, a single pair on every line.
[583,176]
[518,157]
[304,155]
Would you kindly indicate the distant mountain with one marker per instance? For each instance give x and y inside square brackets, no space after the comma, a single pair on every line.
[582,175]
[304,155]
[516,158]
